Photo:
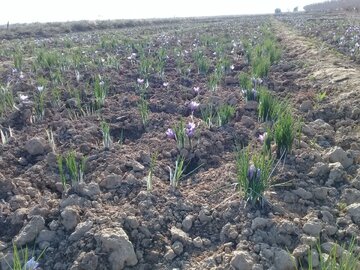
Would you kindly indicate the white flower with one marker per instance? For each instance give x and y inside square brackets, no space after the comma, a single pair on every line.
[77,75]
[40,88]
[232,67]
[23,97]
[31,264]
[165,84]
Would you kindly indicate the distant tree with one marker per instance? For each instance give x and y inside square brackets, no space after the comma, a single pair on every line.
[278,11]
[296,9]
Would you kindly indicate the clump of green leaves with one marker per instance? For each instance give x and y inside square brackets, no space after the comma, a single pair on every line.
[18,60]
[320,96]
[51,139]
[71,168]
[100,92]
[177,174]
[201,61]
[145,65]
[39,99]
[105,129]
[153,160]
[348,260]
[224,113]
[245,81]
[285,131]
[253,175]
[214,80]
[269,106]
[6,99]
[5,135]
[217,115]
[48,60]
[180,134]
[261,66]
[143,107]
[21,260]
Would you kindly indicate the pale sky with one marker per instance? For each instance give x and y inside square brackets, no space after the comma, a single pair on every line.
[20,11]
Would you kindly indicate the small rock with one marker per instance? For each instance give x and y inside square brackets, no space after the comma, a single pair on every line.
[260,223]
[247,121]
[306,106]
[132,222]
[284,261]
[354,211]
[35,146]
[169,255]
[321,193]
[46,236]
[19,216]
[116,242]
[177,247]
[90,190]
[80,230]
[88,261]
[319,169]
[18,201]
[6,186]
[30,231]
[337,173]
[327,217]
[70,218]
[337,154]
[251,105]
[242,260]
[136,166]
[204,216]
[111,181]
[187,223]
[312,228]
[330,230]
[198,242]
[302,193]
[178,234]
[301,252]
[308,240]
[351,195]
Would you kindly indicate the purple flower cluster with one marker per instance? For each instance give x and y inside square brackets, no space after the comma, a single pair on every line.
[253,173]
[190,129]
[262,137]
[193,105]
[170,134]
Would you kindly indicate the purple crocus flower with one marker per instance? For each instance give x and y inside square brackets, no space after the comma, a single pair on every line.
[190,129]
[262,137]
[251,172]
[254,92]
[31,264]
[171,134]
[193,105]
[258,173]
